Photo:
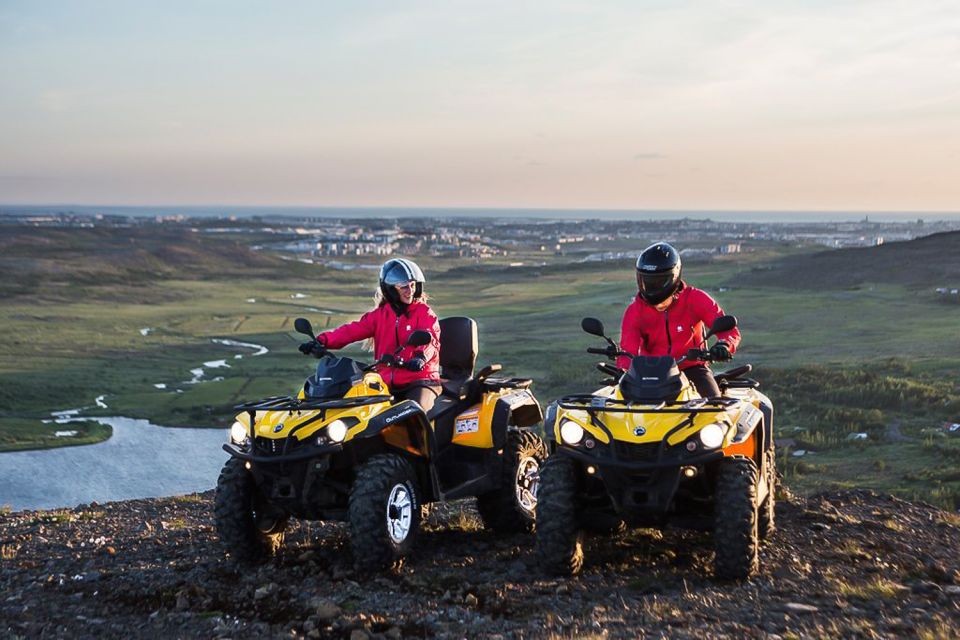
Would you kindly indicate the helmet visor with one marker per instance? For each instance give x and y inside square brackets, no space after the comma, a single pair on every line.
[400,271]
[655,282]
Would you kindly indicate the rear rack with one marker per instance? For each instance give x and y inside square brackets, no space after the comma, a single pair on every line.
[591,403]
[287,403]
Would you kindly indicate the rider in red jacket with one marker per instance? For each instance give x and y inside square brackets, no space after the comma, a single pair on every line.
[668,317]
[401,310]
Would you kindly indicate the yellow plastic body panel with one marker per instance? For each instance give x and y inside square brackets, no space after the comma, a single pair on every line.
[474,427]
[267,421]
[656,426]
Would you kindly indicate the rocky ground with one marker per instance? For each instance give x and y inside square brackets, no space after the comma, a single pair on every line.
[851,564]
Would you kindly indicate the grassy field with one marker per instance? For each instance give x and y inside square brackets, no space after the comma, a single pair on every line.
[71,339]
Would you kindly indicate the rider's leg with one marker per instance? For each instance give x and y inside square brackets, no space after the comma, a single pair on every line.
[702,378]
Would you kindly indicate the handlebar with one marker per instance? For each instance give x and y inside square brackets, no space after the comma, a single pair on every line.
[609,369]
[602,352]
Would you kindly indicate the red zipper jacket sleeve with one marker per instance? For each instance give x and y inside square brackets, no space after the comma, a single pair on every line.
[351,332]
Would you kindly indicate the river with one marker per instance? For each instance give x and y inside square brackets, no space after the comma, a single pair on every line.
[140,460]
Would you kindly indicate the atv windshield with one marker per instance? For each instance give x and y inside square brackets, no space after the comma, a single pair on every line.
[333,378]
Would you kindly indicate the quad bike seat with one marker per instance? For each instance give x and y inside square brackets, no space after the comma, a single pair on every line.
[459,345]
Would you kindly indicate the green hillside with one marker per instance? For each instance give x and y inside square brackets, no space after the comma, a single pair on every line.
[38,260]
[924,263]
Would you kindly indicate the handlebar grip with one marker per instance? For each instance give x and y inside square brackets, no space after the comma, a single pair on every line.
[609,369]
[598,351]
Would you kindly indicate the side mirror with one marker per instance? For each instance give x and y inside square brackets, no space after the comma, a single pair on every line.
[721,324]
[592,326]
[302,325]
[419,339]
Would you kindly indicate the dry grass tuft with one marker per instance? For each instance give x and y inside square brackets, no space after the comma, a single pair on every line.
[190,498]
[950,518]
[877,588]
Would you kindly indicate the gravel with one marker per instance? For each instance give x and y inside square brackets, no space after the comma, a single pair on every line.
[844,564]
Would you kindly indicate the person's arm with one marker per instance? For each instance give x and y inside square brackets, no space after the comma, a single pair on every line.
[351,332]
[420,357]
[708,310]
[631,336]
[432,350]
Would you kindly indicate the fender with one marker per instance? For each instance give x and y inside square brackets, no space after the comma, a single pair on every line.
[550,422]
[406,412]
[519,409]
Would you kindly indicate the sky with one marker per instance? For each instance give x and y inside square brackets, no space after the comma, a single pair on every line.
[767,105]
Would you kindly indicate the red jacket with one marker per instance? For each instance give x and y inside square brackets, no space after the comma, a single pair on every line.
[646,331]
[389,331]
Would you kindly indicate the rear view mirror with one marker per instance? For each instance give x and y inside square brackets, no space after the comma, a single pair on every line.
[592,326]
[419,339]
[721,324]
[302,325]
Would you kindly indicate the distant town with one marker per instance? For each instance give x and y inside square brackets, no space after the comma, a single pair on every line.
[348,242]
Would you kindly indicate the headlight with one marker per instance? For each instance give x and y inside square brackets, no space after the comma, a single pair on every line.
[712,436]
[239,433]
[337,430]
[571,432]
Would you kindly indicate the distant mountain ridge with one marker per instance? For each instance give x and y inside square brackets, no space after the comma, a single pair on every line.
[931,261]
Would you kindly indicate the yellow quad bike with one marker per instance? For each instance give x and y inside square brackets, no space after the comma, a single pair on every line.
[647,450]
[342,449]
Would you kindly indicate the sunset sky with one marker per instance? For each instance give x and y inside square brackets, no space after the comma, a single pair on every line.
[766,105]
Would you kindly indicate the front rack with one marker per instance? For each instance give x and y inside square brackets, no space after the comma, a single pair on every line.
[287,403]
[592,403]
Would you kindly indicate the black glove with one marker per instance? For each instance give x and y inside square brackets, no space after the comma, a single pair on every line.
[720,352]
[307,347]
[415,364]
[388,359]
[312,348]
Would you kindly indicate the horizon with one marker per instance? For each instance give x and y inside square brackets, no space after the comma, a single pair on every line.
[534,213]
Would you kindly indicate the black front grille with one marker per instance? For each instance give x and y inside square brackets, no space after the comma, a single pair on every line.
[646,452]
[272,446]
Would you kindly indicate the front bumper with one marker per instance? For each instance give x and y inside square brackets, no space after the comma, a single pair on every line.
[642,491]
[301,453]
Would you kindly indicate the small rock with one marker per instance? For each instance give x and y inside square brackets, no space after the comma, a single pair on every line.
[563,589]
[952,590]
[182,602]
[359,634]
[820,526]
[264,591]
[393,633]
[799,607]
[925,586]
[470,600]
[326,609]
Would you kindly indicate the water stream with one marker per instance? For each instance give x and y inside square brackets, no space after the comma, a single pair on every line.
[140,460]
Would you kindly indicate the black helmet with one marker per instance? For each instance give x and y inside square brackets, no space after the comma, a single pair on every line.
[398,271]
[658,272]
